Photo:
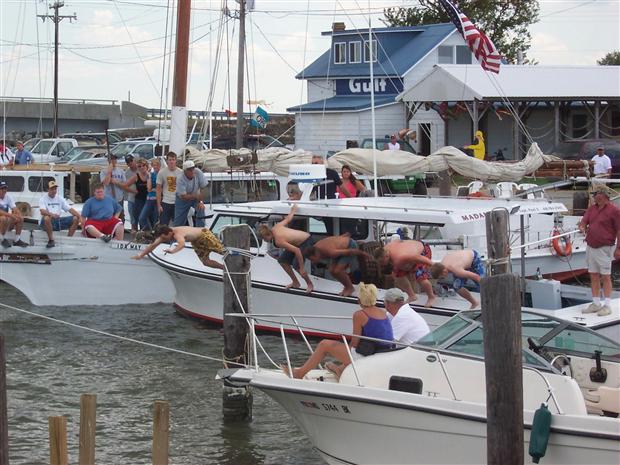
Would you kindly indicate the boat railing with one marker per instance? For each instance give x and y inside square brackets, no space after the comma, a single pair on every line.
[549,388]
[268,318]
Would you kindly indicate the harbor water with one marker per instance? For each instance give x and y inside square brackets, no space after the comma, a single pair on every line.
[49,365]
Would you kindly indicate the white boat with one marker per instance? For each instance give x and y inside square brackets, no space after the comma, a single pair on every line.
[82,271]
[427,403]
[199,288]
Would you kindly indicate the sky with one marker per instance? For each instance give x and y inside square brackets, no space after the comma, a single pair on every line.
[119,49]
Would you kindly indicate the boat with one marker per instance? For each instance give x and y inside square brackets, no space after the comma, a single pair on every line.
[426,403]
[199,289]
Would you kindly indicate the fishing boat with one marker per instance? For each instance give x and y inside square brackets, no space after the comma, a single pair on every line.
[444,222]
[426,403]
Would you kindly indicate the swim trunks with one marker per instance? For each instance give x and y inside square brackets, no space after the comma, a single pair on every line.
[206,243]
[289,257]
[346,259]
[477,266]
[421,271]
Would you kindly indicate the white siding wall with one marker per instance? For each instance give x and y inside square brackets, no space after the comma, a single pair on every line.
[388,120]
[321,133]
[320,89]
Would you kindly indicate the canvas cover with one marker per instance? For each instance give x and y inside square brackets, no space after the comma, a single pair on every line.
[389,162]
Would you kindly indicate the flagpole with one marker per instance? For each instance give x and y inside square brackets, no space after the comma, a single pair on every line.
[372,105]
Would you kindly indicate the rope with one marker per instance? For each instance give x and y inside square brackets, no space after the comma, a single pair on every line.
[115,336]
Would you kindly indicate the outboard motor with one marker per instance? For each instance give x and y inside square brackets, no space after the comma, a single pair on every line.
[598,374]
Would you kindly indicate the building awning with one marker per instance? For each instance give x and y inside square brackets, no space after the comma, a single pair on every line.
[451,83]
[342,103]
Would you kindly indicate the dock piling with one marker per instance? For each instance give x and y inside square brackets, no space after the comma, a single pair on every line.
[161,432]
[4,423]
[501,315]
[58,440]
[88,408]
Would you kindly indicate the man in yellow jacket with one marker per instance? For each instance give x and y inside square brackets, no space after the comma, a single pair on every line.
[478,147]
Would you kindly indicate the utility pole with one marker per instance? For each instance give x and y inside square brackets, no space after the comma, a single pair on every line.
[240,71]
[57,19]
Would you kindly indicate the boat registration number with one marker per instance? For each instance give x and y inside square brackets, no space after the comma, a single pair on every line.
[128,246]
[325,406]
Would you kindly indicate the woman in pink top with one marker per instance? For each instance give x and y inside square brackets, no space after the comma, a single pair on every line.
[350,182]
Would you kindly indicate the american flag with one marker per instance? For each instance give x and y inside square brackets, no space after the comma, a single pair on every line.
[477,41]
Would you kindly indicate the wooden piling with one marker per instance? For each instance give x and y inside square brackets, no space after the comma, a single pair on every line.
[4,423]
[501,315]
[72,186]
[58,441]
[88,408]
[237,402]
[161,432]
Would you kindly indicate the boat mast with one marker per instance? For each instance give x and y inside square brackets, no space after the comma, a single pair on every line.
[57,19]
[240,71]
[372,105]
[178,118]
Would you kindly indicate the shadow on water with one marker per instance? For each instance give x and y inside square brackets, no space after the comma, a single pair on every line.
[49,365]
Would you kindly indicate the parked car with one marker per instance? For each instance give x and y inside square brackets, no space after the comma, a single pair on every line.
[139,148]
[86,155]
[381,144]
[585,149]
[50,150]
[30,143]
[93,137]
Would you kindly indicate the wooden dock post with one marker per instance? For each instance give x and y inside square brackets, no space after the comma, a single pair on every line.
[4,423]
[501,316]
[236,402]
[161,432]
[88,408]
[58,441]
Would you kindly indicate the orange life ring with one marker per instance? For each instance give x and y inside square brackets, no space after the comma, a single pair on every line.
[562,245]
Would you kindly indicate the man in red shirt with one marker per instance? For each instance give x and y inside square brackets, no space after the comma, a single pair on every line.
[601,224]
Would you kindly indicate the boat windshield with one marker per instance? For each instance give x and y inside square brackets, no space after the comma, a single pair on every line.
[445,332]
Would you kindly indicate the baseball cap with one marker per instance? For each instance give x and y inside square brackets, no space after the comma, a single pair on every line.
[52,184]
[128,158]
[3,185]
[600,190]
[188,165]
[394,295]
[600,147]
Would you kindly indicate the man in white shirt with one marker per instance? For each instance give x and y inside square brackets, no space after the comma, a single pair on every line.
[10,218]
[393,144]
[7,157]
[166,188]
[51,206]
[602,163]
[407,326]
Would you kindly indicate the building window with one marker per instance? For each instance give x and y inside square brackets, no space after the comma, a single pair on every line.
[367,51]
[445,55]
[463,55]
[580,126]
[355,52]
[340,53]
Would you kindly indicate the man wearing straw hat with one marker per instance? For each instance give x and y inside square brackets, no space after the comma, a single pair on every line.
[601,225]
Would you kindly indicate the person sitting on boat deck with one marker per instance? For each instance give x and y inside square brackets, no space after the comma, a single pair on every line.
[51,207]
[350,182]
[10,218]
[342,250]
[189,194]
[478,146]
[410,260]
[113,179]
[296,245]
[601,225]
[462,265]
[22,156]
[369,321]
[100,216]
[407,325]
[202,239]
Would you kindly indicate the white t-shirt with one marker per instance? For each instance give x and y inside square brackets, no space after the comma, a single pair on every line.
[168,181]
[602,164]
[408,327]
[394,146]
[6,156]
[55,205]
[7,204]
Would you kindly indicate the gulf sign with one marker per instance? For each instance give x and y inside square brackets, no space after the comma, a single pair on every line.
[382,86]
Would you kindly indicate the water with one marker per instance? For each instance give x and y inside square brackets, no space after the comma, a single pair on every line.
[50,365]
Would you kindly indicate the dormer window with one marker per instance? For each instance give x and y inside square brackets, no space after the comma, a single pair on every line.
[450,54]
[340,53]
[355,52]
[367,51]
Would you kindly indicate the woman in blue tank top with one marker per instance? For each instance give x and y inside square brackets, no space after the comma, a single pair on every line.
[369,321]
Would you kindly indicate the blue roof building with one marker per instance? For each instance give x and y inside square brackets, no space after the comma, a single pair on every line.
[338,82]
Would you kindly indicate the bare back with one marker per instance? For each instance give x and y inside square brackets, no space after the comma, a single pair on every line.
[404,253]
[331,244]
[283,234]
[458,260]
[187,233]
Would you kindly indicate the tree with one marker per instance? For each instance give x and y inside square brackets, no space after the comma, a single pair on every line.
[505,22]
[611,59]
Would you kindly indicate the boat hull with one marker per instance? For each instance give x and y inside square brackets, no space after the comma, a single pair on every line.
[347,427]
[81,271]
